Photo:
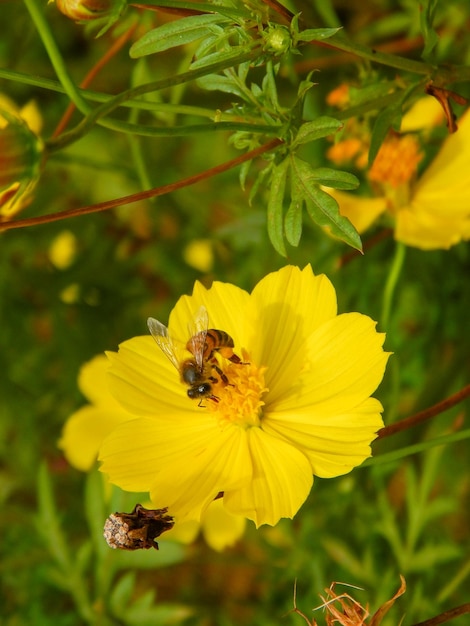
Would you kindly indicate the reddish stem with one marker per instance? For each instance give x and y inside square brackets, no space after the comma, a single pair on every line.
[446,616]
[142,195]
[422,416]
[112,51]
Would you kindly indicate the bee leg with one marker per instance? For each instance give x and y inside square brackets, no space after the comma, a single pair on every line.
[234,358]
[203,406]
[222,376]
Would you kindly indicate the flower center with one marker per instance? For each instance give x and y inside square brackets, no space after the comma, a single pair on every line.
[396,161]
[239,400]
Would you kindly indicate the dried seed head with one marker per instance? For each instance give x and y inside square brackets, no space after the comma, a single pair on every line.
[137,530]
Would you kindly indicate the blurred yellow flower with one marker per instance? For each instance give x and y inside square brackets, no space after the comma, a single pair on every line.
[431,213]
[199,254]
[298,404]
[424,114]
[63,249]
[87,10]
[85,430]
[20,155]
[219,528]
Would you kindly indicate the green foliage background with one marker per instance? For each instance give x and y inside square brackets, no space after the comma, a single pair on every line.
[396,516]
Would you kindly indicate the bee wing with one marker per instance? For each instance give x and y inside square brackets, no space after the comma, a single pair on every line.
[198,333]
[160,333]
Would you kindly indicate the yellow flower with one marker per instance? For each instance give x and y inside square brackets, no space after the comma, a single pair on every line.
[433,212]
[83,435]
[85,430]
[199,254]
[219,528]
[20,155]
[63,249]
[86,10]
[297,405]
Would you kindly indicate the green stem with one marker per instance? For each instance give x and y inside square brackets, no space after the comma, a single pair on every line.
[37,15]
[95,116]
[396,455]
[138,159]
[97,96]
[202,7]
[339,42]
[391,284]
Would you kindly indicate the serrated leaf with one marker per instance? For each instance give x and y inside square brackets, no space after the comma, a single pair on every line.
[321,127]
[322,208]
[275,206]
[316,34]
[177,33]
[337,179]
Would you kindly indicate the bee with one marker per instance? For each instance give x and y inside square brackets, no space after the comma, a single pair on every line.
[197,372]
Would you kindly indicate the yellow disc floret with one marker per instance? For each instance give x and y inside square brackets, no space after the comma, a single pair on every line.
[239,400]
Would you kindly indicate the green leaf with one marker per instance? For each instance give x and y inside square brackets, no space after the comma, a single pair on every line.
[431,38]
[175,33]
[387,119]
[215,82]
[316,34]
[122,593]
[275,206]
[336,179]
[322,208]
[323,126]
[221,55]
[293,222]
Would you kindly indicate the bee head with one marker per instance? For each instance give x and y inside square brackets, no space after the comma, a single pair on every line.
[200,391]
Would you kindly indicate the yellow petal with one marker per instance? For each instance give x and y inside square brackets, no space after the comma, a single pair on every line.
[225,304]
[282,479]
[32,116]
[134,452]
[425,113]
[361,211]
[220,528]
[183,532]
[334,444]
[184,462]
[84,432]
[200,470]
[345,364]
[438,215]
[93,381]
[448,173]
[144,380]
[287,306]
[421,228]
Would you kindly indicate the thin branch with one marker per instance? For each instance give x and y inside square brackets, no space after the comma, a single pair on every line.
[142,195]
[112,51]
[446,616]
[422,416]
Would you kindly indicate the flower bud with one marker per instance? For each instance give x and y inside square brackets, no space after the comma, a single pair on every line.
[277,40]
[20,162]
[88,10]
